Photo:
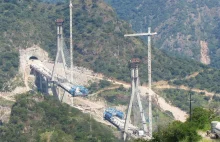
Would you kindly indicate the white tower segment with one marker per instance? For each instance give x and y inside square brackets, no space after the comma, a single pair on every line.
[135,91]
[127,119]
[60,53]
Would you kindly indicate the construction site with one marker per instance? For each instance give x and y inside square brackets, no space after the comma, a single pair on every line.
[67,82]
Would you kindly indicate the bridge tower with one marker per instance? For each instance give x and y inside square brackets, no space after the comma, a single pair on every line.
[60,53]
[134,92]
[60,65]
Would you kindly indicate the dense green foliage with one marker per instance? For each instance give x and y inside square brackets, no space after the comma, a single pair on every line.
[8,66]
[180,98]
[103,88]
[119,96]
[21,26]
[95,86]
[187,131]
[205,80]
[38,118]
[181,25]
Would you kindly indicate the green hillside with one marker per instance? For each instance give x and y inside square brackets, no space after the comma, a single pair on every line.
[205,80]
[181,25]
[38,118]
[99,43]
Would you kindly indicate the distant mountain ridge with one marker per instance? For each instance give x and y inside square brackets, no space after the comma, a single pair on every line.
[183,27]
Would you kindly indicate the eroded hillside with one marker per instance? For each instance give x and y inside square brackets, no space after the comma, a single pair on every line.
[181,25]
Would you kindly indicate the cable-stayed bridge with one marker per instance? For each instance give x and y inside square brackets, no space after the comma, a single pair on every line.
[61,76]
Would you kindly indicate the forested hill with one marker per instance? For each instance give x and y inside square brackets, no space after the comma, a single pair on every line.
[185,27]
[99,41]
[38,118]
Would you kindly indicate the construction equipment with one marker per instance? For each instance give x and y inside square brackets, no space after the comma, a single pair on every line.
[115,117]
[115,112]
[215,130]
[78,91]
[74,90]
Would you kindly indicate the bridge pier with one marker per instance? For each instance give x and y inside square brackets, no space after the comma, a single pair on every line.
[41,82]
[46,86]
[55,90]
[44,83]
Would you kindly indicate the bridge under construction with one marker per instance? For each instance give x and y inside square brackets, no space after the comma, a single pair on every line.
[59,78]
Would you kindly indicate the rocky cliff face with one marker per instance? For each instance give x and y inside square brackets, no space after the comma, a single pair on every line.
[205,59]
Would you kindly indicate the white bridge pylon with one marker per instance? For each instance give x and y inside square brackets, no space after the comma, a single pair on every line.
[60,66]
[60,53]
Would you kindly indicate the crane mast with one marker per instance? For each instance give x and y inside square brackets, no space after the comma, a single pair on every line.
[71,41]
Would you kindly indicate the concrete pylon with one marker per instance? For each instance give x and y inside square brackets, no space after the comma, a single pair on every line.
[135,91]
[60,53]
[128,116]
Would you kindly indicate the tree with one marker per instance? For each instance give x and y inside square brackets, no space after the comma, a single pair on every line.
[200,117]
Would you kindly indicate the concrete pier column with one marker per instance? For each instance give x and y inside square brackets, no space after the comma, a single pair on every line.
[40,82]
[46,86]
